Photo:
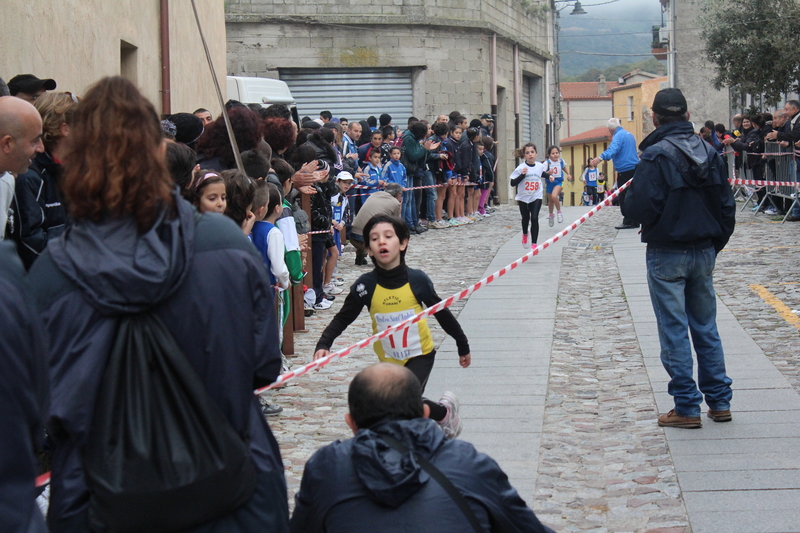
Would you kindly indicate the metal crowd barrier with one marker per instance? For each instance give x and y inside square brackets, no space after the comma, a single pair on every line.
[781,168]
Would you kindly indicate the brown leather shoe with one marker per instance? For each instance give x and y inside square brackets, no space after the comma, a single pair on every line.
[720,416]
[674,420]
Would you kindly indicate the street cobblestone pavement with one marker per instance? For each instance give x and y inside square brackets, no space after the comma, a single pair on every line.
[604,465]
[314,405]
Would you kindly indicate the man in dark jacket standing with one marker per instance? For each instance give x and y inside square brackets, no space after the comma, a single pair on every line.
[681,197]
[364,484]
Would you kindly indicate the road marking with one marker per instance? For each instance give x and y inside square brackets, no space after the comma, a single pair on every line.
[777,304]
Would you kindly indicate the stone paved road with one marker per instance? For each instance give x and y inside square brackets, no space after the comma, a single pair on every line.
[603,464]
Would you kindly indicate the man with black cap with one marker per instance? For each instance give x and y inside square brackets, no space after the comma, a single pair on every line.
[29,87]
[487,125]
[681,197]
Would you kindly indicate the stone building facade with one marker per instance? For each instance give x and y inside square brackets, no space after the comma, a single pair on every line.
[688,68]
[78,42]
[437,54]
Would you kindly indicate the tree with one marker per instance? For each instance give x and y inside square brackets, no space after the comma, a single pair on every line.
[754,44]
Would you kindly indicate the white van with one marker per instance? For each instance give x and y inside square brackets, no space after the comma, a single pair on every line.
[262,91]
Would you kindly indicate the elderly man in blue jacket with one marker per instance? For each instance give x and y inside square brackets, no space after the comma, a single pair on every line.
[368,484]
[623,153]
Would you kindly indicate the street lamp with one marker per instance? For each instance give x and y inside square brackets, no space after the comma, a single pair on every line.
[578,10]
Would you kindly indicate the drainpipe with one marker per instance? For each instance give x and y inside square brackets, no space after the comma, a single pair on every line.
[493,98]
[517,91]
[166,104]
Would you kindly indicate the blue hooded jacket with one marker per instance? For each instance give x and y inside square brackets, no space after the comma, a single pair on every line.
[363,484]
[204,280]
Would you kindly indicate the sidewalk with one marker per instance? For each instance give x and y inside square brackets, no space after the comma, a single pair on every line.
[566,384]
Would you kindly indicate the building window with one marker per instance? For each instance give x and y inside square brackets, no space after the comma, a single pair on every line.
[127,62]
[630,108]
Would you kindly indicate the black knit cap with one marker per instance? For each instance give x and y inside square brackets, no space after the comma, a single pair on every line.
[669,103]
[188,127]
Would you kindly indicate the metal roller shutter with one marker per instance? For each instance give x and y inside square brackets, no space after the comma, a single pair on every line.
[352,93]
[526,109]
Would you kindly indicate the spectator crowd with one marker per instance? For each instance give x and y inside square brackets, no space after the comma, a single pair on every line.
[142,285]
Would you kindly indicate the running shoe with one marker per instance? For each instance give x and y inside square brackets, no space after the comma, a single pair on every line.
[525,240]
[323,305]
[560,217]
[533,246]
[331,288]
[271,409]
[486,214]
[451,424]
[551,220]
[770,211]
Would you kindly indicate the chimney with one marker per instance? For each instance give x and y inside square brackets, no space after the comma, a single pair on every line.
[601,86]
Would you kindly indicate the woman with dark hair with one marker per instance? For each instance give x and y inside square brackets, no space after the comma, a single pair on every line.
[136,247]
[322,141]
[280,134]
[214,149]
[366,133]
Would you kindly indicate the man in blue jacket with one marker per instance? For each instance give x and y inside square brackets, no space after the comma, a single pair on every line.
[364,484]
[681,196]
[623,153]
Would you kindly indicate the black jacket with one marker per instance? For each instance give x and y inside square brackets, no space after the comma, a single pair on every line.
[209,286]
[753,144]
[39,214]
[23,398]
[362,484]
[680,193]
[790,130]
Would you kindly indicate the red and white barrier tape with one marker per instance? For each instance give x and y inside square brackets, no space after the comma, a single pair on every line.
[319,363]
[762,183]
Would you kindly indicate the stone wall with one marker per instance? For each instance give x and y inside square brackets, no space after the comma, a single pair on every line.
[693,72]
[446,43]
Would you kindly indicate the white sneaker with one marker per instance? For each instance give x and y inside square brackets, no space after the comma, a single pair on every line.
[323,304]
[551,220]
[451,424]
[560,217]
[331,288]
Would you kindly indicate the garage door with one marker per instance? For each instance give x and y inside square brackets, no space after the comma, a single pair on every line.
[352,93]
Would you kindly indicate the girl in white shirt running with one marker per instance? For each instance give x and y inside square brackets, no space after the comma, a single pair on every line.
[527,178]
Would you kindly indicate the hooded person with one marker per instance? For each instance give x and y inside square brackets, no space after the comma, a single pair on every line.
[137,247]
[681,197]
[365,484]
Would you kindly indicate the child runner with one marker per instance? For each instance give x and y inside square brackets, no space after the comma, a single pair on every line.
[527,178]
[557,169]
[208,192]
[392,293]
[601,187]
[589,177]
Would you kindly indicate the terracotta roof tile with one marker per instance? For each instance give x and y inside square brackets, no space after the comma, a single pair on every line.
[585,90]
[595,135]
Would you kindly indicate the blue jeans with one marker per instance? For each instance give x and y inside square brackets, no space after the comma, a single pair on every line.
[682,292]
[409,209]
[429,194]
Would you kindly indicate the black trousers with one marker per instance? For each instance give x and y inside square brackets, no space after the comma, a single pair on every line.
[622,179]
[421,367]
[530,215]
